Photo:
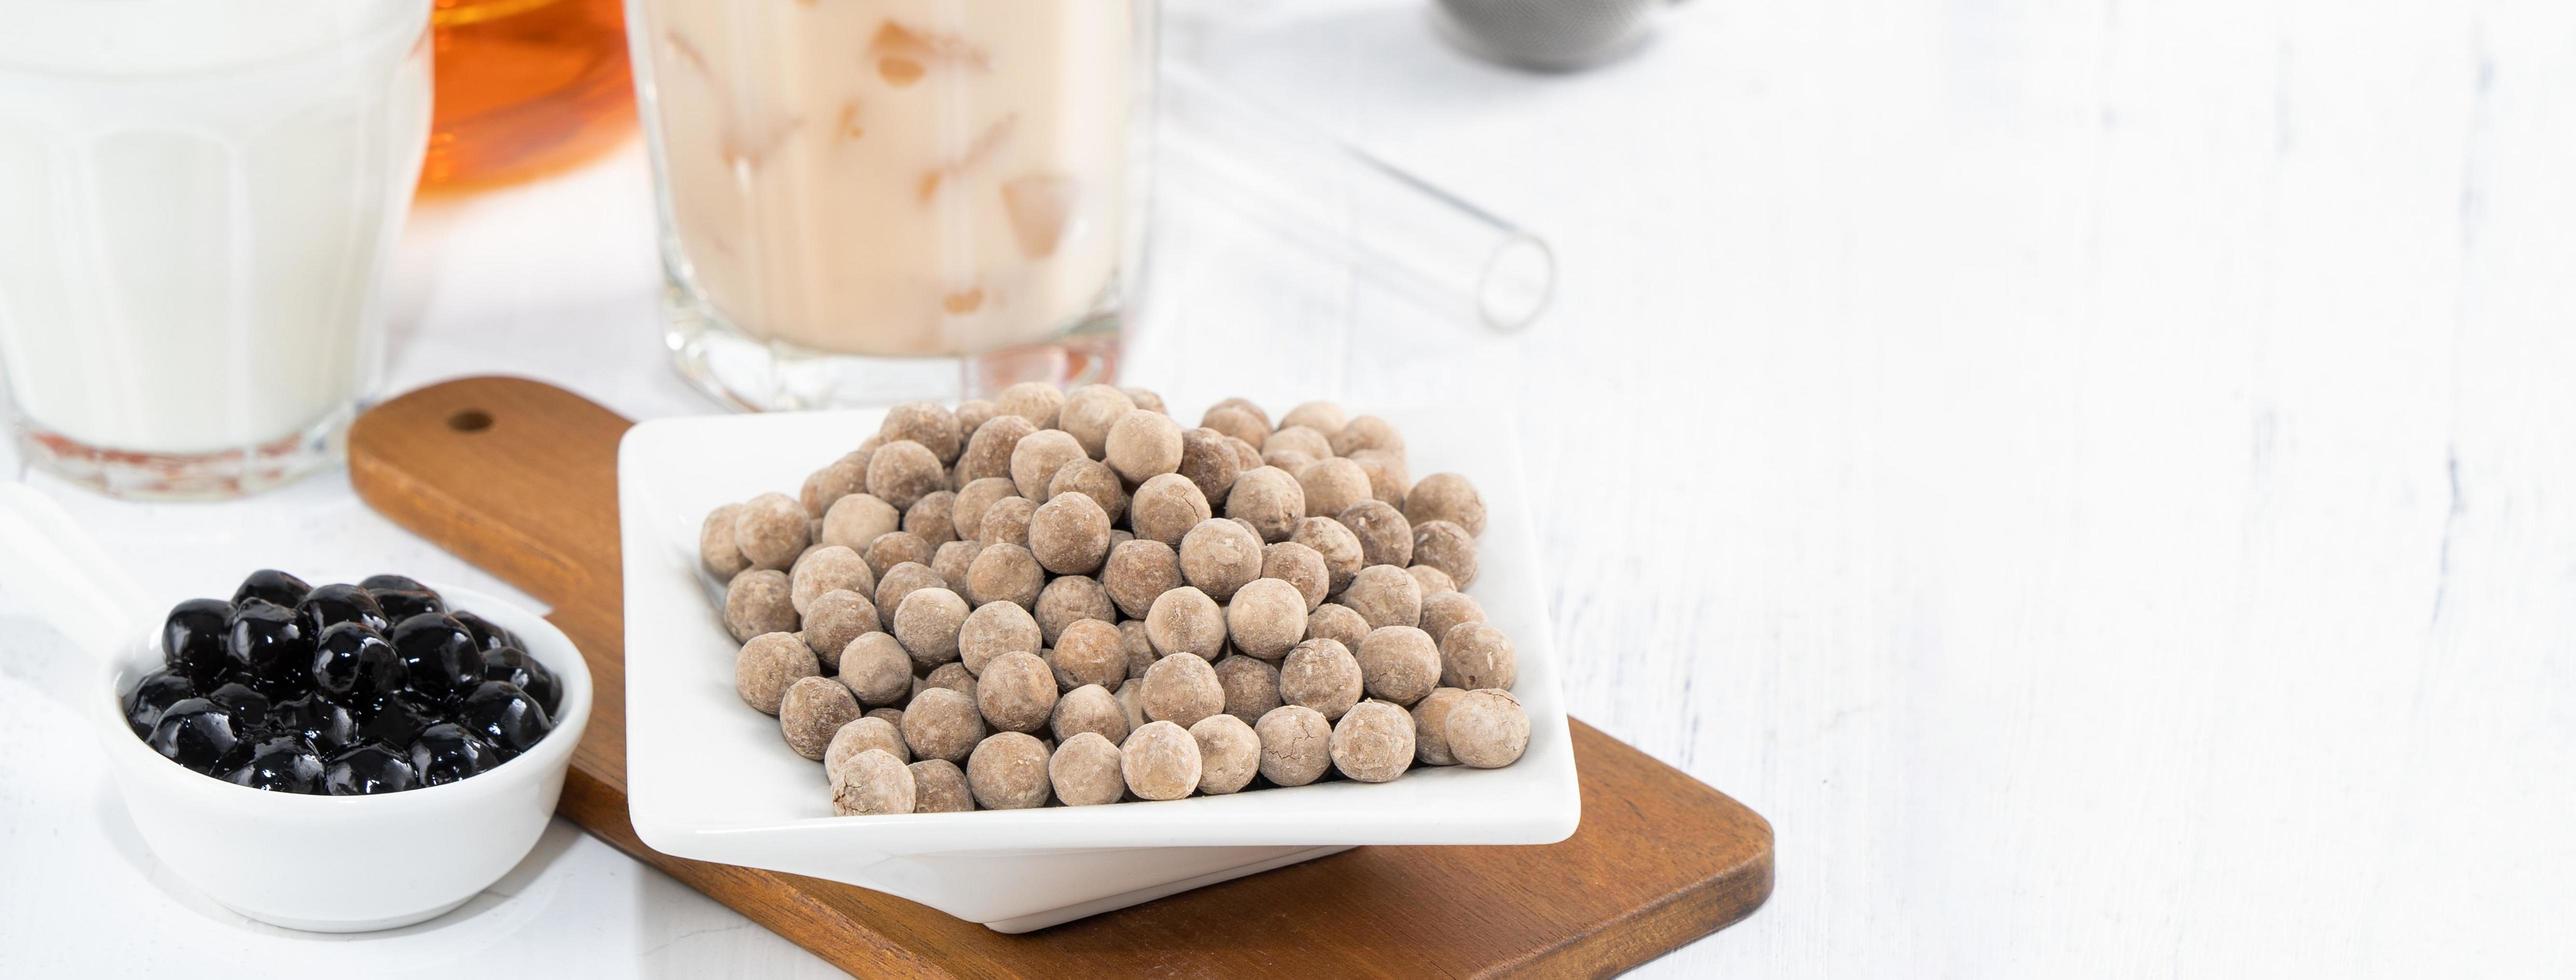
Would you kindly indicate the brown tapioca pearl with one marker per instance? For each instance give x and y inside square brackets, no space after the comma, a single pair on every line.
[1373,743]
[1488,729]
[1220,556]
[927,424]
[1143,445]
[973,413]
[1322,416]
[1476,656]
[1008,771]
[954,560]
[938,786]
[1229,753]
[933,518]
[1323,675]
[954,677]
[825,487]
[1300,439]
[942,724]
[1138,572]
[1270,499]
[1089,411]
[1016,692]
[862,734]
[825,569]
[895,548]
[966,512]
[902,472]
[1069,534]
[1209,462]
[988,453]
[1399,664]
[899,583]
[1246,457]
[1266,617]
[769,530]
[813,709]
[1385,596]
[1288,460]
[1251,687]
[756,602]
[1431,581]
[1039,403]
[1332,486]
[876,670]
[1089,708]
[1385,537]
[1005,573]
[1161,761]
[891,716]
[1088,770]
[857,519]
[1336,622]
[872,782]
[835,618]
[717,551]
[1038,456]
[927,621]
[1234,420]
[995,628]
[1299,566]
[1295,745]
[1139,646]
[1006,522]
[1091,478]
[1430,727]
[1166,507]
[1069,600]
[1389,481]
[1447,547]
[1089,651]
[1366,432]
[1182,690]
[1131,698]
[1146,399]
[1446,497]
[1334,542]
[1443,610]
[767,666]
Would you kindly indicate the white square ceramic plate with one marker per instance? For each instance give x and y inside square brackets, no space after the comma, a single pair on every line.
[710,779]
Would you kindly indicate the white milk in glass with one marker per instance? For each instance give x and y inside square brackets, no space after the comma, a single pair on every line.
[197,200]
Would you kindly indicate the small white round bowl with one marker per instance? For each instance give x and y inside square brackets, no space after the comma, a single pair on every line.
[347,863]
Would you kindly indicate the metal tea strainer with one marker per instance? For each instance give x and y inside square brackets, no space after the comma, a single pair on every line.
[1550,34]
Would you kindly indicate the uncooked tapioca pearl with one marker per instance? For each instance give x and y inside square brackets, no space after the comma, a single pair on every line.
[1373,742]
[1385,596]
[813,709]
[1367,432]
[767,666]
[1185,620]
[1343,557]
[1089,708]
[1088,652]
[1299,566]
[973,413]
[1447,547]
[1269,499]
[927,621]
[1037,457]
[869,783]
[1236,421]
[1008,771]
[1399,664]
[1016,692]
[1091,478]
[1336,622]
[1183,690]
[825,487]
[1431,727]
[824,569]
[1251,686]
[1037,402]
[757,602]
[876,670]
[966,513]
[859,518]
[1088,770]
[938,786]
[1332,486]
[954,560]
[901,472]
[1321,674]
[770,530]
[933,518]
[1089,411]
[1295,745]
[989,451]
[716,549]
[902,581]
[891,716]
[1139,646]
[1229,753]
[953,676]
[1488,729]
[1166,507]
[1145,398]
[1245,456]
[1143,445]
[1208,460]
[1137,572]
[1388,478]
[1005,573]
[895,548]
[1288,460]
[1444,610]
[1476,656]
[1069,600]
[927,424]
[995,628]
[862,734]
[1385,537]
[942,724]
[1069,534]
[835,618]
[1220,556]
[1431,581]
[1131,698]
[1006,522]
[1321,416]
[1266,617]
[1446,497]
[1160,761]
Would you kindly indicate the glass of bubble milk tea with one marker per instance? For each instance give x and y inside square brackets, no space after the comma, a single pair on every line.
[197,198]
[868,201]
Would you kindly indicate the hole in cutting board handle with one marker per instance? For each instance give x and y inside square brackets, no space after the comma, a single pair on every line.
[470,420]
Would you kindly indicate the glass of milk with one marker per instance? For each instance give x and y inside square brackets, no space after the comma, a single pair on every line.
[197,199]
[865,201]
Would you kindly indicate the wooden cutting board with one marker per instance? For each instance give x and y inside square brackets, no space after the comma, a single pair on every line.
[520,478]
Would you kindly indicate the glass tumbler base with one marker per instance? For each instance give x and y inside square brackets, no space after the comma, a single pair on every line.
[185,476]
[768,376]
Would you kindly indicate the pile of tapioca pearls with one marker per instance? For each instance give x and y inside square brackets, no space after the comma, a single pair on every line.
[1069,597]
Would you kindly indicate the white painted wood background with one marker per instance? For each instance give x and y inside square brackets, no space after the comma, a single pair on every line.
[2100,477]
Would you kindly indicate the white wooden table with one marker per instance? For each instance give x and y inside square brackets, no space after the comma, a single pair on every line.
[2100,477]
